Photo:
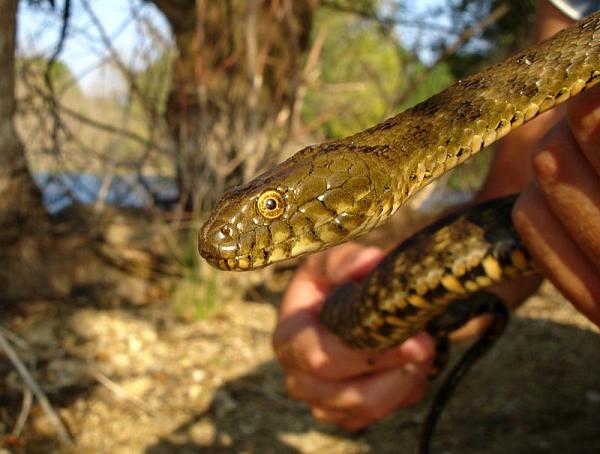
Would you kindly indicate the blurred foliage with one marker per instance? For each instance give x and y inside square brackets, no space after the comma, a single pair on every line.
[505,36]
[197,292]
[154,81]
[366,74]
[363,73]
[59,72]
[85,148]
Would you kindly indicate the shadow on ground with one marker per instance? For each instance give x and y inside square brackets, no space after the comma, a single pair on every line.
[537,391]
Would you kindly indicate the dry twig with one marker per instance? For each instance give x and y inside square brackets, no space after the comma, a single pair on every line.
[119,391]
[30,382]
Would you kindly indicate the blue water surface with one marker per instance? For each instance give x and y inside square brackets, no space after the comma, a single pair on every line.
[63,189]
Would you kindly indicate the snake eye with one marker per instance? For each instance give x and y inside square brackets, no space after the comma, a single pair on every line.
[270,204]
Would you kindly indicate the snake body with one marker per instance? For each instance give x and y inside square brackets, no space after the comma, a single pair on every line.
[448,261]
[329,193]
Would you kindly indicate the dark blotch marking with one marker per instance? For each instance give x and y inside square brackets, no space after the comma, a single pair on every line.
[474,83]
[529,90]
[429,107]
[421,134]
[468,111]
[593,76]
[501,124]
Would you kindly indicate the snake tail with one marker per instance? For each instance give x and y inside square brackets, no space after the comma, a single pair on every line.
[477,304]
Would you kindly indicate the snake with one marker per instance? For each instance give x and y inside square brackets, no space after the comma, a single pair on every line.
[329,193]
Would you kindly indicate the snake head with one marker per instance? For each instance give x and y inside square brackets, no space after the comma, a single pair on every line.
[251,225]
[245,228]
[319,197]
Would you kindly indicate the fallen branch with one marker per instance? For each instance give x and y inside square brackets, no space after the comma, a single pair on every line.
[30,382]
[25,409]
[119,391]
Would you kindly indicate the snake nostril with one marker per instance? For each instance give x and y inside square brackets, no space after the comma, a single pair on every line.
[225,232]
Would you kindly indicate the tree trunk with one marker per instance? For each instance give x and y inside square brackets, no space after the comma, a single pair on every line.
[21,206]
[235,82]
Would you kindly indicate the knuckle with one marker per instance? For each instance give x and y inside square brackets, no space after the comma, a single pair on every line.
[319,364]
[377,407]
[280,352]
[544,165]
[521,219]
[374,411]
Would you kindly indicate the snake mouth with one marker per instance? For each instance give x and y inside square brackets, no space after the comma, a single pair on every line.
[219,263]
[235,263]
[225,256]
[232,257]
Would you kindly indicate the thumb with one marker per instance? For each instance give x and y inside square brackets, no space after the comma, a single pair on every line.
[350,262]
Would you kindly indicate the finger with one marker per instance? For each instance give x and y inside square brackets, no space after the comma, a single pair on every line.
[584,118]
[302,344]
[341,419]
[556,253]
[327,415]
[369,398]
[322,272]
[572,189]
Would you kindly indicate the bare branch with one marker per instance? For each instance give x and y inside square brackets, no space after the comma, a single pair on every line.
[463,37]
[30,382]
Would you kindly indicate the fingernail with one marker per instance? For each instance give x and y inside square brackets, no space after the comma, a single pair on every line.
[546,166]
[419,348]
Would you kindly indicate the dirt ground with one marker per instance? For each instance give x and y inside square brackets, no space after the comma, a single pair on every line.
[138,380]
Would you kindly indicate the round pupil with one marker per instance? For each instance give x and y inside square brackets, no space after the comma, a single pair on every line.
[271,204]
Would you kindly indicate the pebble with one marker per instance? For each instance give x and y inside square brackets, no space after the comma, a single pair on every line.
[592,397]
[203,433]
[138,386]
[198,375]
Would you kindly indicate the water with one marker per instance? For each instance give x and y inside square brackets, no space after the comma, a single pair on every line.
[64,189]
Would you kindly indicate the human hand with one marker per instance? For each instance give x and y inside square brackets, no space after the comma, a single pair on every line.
[347,387]
[558,214]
